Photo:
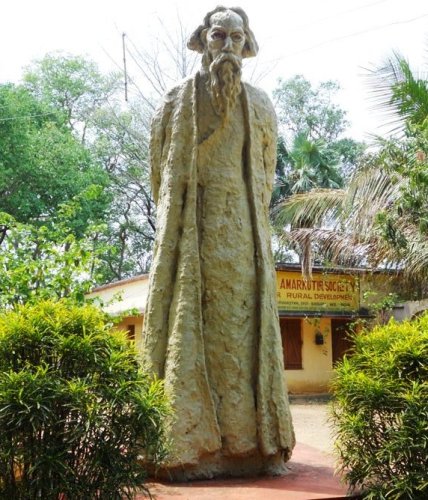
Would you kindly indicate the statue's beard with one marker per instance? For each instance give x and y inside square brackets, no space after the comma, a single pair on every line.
[225,83]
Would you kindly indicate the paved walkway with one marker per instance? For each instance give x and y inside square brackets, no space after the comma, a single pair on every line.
[311,474]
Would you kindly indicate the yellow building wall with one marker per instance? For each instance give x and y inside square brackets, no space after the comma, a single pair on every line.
[317,370]
[125,300]
[316,360]
[123,297]
[137,321]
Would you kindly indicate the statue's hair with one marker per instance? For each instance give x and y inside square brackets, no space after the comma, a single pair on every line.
[250,48]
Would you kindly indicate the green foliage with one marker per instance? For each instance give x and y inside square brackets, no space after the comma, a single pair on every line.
[46,261]
[407,158]
[400,93]
[63,133]
[303,109]
[76,413]
[313,165]
[381,218]
[380,305]
[42,164]
[121,145]
[71,84]
[311,113]
[308,166]
[115,142]
[311,152]
[381,411]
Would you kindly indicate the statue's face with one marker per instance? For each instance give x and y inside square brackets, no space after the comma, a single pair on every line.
[226,34]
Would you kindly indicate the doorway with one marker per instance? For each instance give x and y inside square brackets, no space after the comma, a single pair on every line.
[291,334]
[341,343]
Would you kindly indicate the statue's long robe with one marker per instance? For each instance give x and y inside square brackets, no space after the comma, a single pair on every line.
[173,336]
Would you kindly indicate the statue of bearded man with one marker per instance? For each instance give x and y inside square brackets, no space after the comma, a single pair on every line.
[211,327]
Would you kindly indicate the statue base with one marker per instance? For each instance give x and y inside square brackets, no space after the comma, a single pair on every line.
[220,466]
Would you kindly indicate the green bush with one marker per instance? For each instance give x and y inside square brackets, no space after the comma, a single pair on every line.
[76,412]
[380,412]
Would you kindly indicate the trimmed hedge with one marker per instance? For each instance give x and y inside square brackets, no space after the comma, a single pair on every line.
[76,411]
[380,411]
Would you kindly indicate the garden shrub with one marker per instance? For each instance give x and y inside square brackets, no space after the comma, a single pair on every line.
[76,411]
[380,411]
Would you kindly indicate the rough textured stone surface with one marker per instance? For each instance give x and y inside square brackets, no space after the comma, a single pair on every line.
[211,328]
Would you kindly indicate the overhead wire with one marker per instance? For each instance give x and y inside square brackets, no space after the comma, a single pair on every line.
[337,14]
[22,117]
[275,60]
[350,35]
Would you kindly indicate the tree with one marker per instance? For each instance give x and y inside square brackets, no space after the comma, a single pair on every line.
[116,143]
[400,94]
[381,217]
[308,118]
[46,261]
[309,164]
[403,95]
[122,138]
[303,109]
[42,165]
[162,65]
[367,223]
[344,226]
[72,85]
[311,153]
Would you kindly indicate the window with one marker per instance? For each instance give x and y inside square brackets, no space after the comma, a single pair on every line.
[291,333]
[131,331]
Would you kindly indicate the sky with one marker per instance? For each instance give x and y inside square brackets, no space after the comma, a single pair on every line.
[320,39]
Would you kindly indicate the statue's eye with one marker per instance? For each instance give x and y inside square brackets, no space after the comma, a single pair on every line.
[237,37]
[218,35]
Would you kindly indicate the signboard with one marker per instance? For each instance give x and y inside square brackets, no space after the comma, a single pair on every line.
[322,293]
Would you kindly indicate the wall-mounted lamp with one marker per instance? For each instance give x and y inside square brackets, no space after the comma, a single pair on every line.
[319,338]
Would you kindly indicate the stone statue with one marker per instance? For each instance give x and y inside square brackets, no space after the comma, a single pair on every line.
[211,327]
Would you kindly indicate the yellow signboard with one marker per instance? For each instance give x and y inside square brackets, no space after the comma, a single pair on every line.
[321,293]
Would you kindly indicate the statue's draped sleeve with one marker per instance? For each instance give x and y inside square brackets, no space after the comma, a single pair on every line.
[159,142]
[274,427]
[269,149]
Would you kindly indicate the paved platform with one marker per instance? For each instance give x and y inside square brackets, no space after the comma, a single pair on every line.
[311,477]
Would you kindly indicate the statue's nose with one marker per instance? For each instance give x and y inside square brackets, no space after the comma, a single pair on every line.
[227,47]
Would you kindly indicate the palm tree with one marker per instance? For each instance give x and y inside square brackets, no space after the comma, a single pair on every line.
[309,164]
[345,222]
[381,218]
[400,94]
[312,165]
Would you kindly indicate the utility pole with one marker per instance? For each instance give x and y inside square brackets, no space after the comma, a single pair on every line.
[124,67]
